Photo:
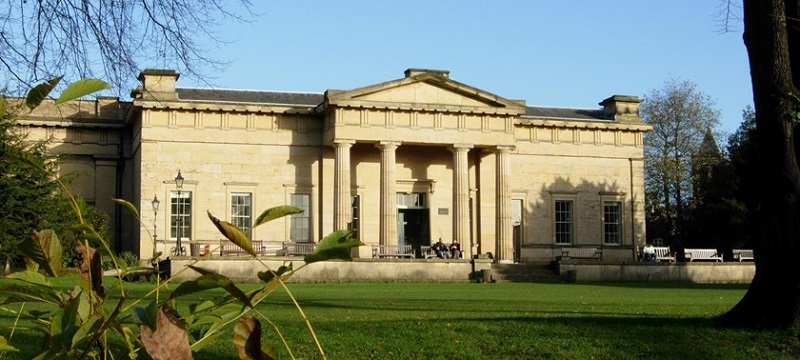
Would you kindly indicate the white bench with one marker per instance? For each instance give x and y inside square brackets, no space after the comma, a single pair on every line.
[663,253]
[702,254]
[589,253]
[392,251]
[743,255]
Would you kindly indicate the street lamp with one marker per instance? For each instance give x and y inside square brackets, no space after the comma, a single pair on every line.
[179,220]
[155,204]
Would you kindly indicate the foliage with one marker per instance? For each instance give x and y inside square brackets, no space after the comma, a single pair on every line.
[82,322]
[107,38]
[680,115]
[744,161]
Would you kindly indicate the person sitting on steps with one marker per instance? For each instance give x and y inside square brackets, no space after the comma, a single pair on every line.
[455,249]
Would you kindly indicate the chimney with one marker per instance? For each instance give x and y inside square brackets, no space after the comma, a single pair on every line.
[622,108]
[157,84]
[414,72]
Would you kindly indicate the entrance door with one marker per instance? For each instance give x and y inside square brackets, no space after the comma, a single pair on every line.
[415,228]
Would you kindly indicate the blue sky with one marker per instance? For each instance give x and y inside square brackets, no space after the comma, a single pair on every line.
[554,53]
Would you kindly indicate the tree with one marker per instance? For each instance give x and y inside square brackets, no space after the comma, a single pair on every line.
[772,39]
[717,215]
[107,38]
[680,116]
[28,199]
[743,161]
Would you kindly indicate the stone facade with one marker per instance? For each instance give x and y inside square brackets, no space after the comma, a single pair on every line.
[406,161]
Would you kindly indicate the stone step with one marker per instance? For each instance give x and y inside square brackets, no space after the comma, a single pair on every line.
[542,273]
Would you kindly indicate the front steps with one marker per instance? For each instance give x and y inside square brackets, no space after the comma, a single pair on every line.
[537,272]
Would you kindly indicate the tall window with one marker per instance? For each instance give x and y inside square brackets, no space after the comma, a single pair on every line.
[300,226]
[180,215]
[612,222]
[355,225]
[563,219]
[242,212]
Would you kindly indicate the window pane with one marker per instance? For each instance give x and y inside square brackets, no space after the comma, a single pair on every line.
[563,222]
[300,226]
[180,215]
[612,222]
[241,212]
[355,224]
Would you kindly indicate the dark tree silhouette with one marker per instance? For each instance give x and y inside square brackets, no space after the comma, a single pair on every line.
[772,38]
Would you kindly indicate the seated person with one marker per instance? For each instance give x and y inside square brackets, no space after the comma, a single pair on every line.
[455,249]
[649,252]
[440,248]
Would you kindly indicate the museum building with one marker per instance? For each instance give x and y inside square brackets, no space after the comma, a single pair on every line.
[404,162]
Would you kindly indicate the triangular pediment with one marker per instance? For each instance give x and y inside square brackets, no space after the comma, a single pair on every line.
[428,90]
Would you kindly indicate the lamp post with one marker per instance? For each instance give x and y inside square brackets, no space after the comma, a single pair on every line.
[179,220]
[155,204]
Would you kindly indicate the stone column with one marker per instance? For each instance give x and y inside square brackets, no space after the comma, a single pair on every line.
[461,194]
[341,184]
[388,215]
[504,230]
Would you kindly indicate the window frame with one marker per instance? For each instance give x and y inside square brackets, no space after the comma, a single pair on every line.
[301,219]
[235,217]
[180,210]
[570,221]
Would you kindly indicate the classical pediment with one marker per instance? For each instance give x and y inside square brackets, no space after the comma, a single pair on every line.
[425,90]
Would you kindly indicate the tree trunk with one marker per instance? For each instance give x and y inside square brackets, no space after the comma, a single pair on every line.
[773,299]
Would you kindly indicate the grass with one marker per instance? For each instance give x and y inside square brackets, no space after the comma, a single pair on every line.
[503,321]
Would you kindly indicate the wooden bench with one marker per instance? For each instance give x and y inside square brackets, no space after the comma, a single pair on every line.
[587,253]
[427,253]
[227,247]
[392,251]
[663,253]
[298,249]
[702,254]
[743,255]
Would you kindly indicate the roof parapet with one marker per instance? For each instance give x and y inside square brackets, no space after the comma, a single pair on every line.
[622,108]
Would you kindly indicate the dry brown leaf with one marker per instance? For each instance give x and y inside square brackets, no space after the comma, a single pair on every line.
[170,340]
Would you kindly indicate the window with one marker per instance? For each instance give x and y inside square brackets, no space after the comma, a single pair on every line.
[563,221]
[300,226]
[180,215]
[242,212]
[612,222]
[355,224]
[411,201]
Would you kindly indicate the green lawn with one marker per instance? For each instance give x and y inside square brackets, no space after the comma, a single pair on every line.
[505,321]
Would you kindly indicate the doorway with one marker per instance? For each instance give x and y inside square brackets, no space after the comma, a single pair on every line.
[413,228]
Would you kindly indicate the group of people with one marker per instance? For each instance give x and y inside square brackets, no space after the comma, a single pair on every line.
[447,252]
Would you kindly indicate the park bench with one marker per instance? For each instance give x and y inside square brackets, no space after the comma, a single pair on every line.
[702,254]
[743,255]
[227,247]
[392,251]
[663,253]
[298,249]
[588,253]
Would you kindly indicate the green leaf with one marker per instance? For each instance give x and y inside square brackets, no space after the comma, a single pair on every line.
[233,233]
[267,276]
[335,246]
[81,88]
[145,315]
[88,327]
[29,276]
[40,92]
[276,213]
[44,248]
[5,347]
[128,206]
[210,281]
[25,292]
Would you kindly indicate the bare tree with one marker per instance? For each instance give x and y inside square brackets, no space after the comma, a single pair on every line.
[680,116]
[110,39]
